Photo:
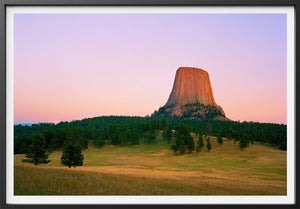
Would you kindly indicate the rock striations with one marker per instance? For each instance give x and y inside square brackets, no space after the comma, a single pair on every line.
[191,85]
[191,97]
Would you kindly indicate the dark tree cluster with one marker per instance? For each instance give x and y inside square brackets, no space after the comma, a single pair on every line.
[208,145]
[72,156]
[167,132]
[265,133]
[200,143]
[184,140]
[99,131]
[38,154]
[122,130]
[219,139]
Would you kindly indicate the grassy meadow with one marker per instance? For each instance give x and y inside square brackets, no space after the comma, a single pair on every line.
[154,170]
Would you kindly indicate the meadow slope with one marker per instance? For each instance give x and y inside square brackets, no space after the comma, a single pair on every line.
[154,170]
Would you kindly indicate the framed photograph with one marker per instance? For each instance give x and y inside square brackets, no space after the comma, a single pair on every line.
[165,103]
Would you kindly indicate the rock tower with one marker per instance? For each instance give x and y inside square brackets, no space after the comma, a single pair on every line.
[191,97]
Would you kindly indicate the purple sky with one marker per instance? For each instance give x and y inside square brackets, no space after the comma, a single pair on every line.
[75,66]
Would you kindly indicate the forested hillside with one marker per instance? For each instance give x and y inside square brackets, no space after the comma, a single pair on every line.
[122,130]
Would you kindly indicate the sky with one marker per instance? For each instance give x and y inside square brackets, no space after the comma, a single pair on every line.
[75,66]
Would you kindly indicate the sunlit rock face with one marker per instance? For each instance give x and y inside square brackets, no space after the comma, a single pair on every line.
[191,96]
[191,85]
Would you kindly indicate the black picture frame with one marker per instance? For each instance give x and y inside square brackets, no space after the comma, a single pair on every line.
[6,3]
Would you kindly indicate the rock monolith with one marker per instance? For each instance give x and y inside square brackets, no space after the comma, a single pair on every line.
[191,97]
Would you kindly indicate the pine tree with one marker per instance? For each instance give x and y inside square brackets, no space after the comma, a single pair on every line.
[283,145]
[244,142]
[208,128]
[123,131]
[115,138]
[179,142]
[124,137]
[164,124]
[82,142]
[200,143]
[169,133]
[219,139]
[72,156]
[36,151]
[190,143]
[199,132]
[208,145]
[134,137]
[100,140]
[183,140]
[150,137]
[179,145]
[91,132]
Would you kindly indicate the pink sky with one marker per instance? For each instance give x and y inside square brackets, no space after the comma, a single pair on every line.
[75,66]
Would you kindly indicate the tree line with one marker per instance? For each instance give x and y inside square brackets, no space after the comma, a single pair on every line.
[184,142]
[122,130]
[37,152]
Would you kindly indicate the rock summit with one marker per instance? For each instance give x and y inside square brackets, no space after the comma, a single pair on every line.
[191,97]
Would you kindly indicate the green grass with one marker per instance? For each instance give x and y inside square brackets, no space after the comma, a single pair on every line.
[154,170]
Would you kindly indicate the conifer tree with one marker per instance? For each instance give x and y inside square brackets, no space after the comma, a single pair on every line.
[134,137]
[199,132]
[208,145]
[150,137]
[244,142]
[72,156]
[200,143]
[100,140]
[190,142]
[252,140]
[180,145]
[219,139]
[208,128]
[283,145]
[164,124]
[82,142]
[169,133]
[36,151]
[181,148]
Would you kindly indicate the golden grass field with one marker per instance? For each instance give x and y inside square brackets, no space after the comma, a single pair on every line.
[155,170]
